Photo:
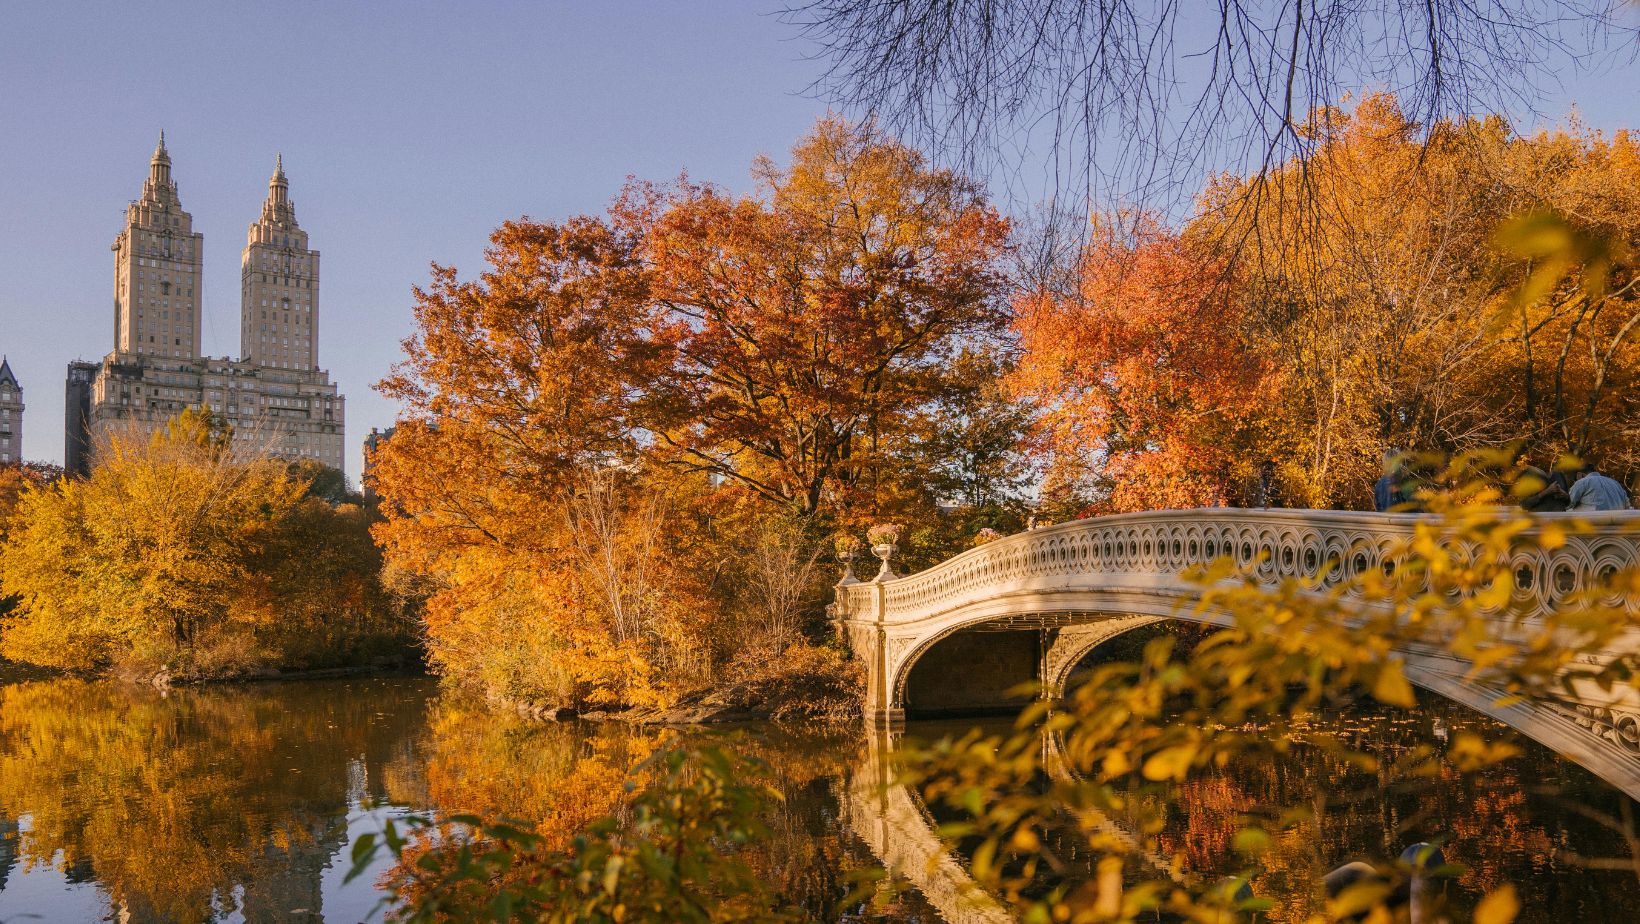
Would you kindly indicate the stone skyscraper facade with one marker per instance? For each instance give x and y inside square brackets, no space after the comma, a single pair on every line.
[275,395]
[157,261]
[279,285]
[11,415]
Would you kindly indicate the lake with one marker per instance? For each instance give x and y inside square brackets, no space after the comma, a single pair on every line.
[240,803]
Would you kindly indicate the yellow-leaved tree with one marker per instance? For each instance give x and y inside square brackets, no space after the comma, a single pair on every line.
[180,553]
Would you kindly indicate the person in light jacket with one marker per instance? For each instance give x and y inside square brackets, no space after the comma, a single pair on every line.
[1594,491]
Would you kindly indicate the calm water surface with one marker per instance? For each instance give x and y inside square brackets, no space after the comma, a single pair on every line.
[240,804]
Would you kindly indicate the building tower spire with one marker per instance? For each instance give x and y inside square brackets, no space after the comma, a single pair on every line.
[159,166]
[157,303]
[278,186]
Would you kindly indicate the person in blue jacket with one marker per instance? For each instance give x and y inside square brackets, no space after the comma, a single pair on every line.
[1594,491]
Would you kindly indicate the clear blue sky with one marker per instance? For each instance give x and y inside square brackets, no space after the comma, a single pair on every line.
[409,131]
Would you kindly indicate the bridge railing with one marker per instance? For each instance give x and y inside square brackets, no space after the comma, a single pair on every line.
[1277,544]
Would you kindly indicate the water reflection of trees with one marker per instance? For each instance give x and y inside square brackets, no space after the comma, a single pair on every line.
[557,778]
[187,806]
[1515,823]
[209,802]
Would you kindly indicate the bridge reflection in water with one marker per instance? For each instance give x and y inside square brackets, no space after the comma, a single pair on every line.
[898,829]
[1528,822]
[891,818]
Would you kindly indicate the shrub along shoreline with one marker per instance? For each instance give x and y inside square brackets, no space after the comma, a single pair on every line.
[183,559]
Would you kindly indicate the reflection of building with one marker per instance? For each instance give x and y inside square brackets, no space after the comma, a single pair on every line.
[285,882]
[275,395]
[11,415]
[9,833]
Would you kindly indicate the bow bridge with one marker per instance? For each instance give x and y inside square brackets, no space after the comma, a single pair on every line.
[960,635]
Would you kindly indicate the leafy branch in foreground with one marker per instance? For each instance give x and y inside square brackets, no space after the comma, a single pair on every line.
[675,857]
[1134,735]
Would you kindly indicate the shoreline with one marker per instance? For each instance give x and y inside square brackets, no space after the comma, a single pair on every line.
[697,708]
[15,672]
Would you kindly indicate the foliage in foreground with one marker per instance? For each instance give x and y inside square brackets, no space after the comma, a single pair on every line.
[179,554]
[678,857]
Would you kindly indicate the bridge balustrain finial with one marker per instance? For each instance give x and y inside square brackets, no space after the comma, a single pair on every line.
[847,547]
[884,538]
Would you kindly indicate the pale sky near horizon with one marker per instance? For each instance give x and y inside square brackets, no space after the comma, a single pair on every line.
[409,131]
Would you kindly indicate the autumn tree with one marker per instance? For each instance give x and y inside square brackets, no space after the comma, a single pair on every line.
[1399,313]
[1148,386]
[180,553]
[16,479]
[1571,336]
[520,388]
[604,427]
[811,321]
[1388,309]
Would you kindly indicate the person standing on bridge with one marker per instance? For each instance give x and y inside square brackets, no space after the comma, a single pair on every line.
[1388,492]
[1266,483]
[1594,491]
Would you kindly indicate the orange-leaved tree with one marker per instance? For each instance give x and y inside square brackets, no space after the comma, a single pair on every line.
[1149,387]
[811,321]
[516,385]
[1386,276]
[601,428]
[1412,288]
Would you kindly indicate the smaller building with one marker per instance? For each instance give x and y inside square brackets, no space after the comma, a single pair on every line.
[77,417]
[11,415]
[288,413]
[371,442]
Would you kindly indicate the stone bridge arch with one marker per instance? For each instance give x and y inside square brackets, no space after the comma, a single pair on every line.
[1090,580]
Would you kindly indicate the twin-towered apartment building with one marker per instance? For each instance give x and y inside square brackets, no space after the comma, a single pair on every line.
[275,395]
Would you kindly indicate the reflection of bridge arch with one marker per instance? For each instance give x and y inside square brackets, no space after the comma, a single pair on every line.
[1090,580]
[894,824]
[889,818]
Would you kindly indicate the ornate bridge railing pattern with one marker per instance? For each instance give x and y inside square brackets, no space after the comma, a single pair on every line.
[1291,543]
